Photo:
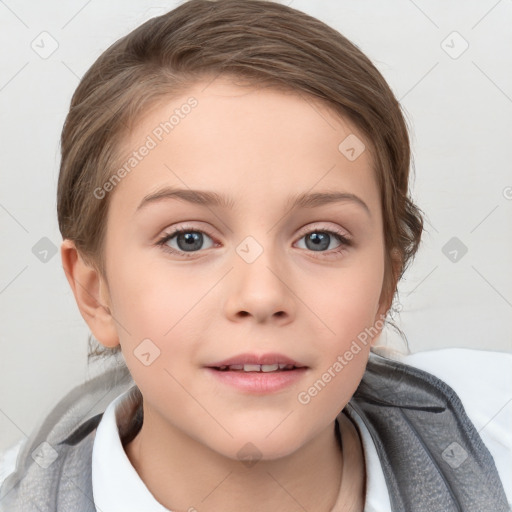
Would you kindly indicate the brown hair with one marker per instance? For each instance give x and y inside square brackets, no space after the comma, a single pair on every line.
[261,42]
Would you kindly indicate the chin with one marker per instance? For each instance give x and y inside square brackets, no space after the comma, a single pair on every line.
[249,449]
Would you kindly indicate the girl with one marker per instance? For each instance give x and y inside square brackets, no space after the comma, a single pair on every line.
[233,200]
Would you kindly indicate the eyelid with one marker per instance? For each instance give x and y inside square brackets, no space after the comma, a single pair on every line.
[184,227]
[321,226]
[344,237]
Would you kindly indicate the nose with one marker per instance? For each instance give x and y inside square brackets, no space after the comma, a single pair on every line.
[259,288]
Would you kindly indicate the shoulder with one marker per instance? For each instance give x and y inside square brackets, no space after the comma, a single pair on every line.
[64,434]
[483,381]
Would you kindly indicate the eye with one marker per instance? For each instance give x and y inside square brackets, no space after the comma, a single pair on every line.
[187,240]
[317,240]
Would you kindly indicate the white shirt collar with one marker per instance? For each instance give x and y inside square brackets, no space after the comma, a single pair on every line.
[117,485]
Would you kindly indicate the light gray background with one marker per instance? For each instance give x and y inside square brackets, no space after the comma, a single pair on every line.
[459,106]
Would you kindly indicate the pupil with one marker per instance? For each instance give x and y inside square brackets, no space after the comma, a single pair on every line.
[193,240]
[319,240]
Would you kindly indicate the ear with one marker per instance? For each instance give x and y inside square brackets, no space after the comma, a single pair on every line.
[91,294]
[387,292]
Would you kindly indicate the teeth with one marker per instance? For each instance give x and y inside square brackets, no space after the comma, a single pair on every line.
[252,368]
[257,367]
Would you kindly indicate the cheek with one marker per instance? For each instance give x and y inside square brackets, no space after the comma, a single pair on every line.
[347,300]
[152,298]
[346,308]
[157,310]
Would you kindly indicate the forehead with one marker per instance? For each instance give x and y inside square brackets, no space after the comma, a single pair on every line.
[256,143]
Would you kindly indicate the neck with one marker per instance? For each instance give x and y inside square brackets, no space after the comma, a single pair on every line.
[307,479]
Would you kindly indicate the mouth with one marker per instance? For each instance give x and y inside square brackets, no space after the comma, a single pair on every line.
[251,362]
[257,374]
[263,368]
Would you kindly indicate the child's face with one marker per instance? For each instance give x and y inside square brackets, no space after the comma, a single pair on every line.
[254,283]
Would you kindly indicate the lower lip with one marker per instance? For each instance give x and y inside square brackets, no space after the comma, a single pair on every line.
[258,382]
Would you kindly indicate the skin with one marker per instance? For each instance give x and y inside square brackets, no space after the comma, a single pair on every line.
[258,146]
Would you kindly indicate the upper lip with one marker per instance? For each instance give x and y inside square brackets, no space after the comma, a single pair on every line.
[250,358]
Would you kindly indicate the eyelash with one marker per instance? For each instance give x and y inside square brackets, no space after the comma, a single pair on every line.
[342,238]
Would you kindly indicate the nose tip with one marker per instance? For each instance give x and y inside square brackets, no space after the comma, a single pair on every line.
[259,291]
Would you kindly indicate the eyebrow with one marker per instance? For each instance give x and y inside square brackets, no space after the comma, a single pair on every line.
[207,198]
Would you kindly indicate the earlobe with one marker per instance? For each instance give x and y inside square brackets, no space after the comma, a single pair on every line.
[91,294]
